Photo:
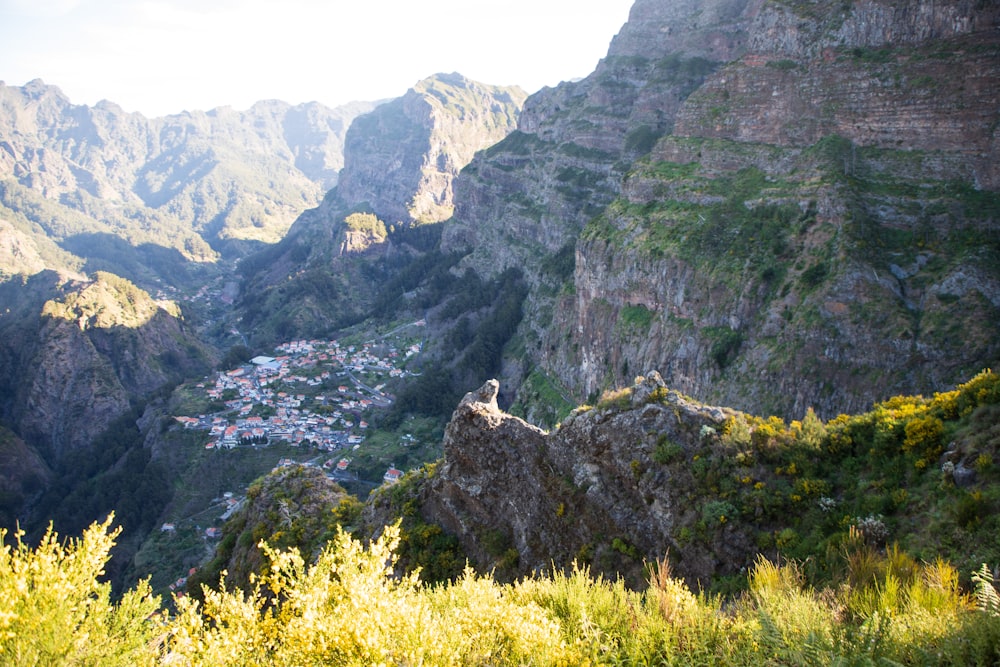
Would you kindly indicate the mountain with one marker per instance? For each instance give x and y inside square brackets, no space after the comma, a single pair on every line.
[78,354]
[400,161]
[88,359]
[80,359]
[775,204]
[786,208]
[95,201]
[142,196]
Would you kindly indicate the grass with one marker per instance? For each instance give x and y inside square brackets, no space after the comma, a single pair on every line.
[548,401]
[383,447]
[350,607]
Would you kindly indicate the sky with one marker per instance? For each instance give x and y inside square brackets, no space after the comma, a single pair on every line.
[160,57]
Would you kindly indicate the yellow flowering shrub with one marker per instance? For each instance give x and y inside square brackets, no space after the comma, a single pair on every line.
[54,610]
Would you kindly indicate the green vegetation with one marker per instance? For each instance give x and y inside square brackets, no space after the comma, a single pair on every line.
[116,473]
[415,440]
[366,223]
[784,64]
[617,399]
[293,507]
[350,607]
[109,301]
[422,546]
[516,143]
[548,401]
[636,318]
[641,140]
[487,315]
[726,344]
[745,222]
[666,451]
[914,473]
[562,264]
[864,519]
[55,611]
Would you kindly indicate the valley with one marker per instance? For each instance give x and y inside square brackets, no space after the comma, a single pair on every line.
[315,404]
[728,305]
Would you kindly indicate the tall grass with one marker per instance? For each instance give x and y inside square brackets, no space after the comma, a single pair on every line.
[351,607]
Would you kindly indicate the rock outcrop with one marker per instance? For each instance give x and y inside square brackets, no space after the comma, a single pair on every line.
[591,491]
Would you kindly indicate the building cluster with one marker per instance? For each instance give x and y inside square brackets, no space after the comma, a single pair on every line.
[268,406]
[313,392]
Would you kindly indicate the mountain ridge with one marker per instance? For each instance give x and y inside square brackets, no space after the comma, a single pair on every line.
[797,131]
[198,183]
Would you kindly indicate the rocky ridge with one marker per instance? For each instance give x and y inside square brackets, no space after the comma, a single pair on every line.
[572,493]
[197,183]
[648,475]
[91,349]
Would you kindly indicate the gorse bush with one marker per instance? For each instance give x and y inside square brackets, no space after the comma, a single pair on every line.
[351,607]
[55,611]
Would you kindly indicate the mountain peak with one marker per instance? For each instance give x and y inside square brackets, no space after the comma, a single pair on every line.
[400,159]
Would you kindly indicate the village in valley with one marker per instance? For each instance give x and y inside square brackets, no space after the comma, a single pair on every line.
[310,403]
[313,393]
[313,396]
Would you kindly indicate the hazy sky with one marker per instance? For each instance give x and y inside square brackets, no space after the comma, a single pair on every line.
[164,56]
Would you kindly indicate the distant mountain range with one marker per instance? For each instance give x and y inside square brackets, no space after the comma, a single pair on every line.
[95,188]
[119,235]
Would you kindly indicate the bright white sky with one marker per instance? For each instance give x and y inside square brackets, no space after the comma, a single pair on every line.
[164,56]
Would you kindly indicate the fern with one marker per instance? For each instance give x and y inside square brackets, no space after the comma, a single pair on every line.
[986,594]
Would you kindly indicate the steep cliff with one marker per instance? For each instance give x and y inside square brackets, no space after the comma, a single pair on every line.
[399,164]
[401,158]
[776,204]
[90,352]
[533,193]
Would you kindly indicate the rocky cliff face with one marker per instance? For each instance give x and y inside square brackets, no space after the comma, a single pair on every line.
[186,182]
[589,491]
[92,349]
[534,192]
[775,204]
[401,158]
